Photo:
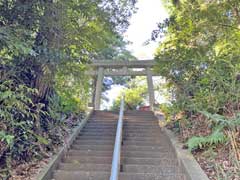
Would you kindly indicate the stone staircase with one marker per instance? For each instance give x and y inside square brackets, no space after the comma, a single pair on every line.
[146,152]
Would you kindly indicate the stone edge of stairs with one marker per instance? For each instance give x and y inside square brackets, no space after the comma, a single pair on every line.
[46,172]
[188,163]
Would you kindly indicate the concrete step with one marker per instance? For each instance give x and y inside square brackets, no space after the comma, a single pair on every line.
[142,127]
[140,121]
[163,170]
[126,131]
[125,124]
[97,134]
[80,175]
[104,119]
[148,135]
[150,161]
[103,122]
[96,138]
[140,118]
[99,124]
[93,147]
[140,124]
[149,176]
[100,127]
[144,148]
[142,130]
[88,159]
[125,159]
[98,130]
[89,153]
[125,127]
[84,167]
[146,143]
[138,112]
[93,142]
[148,154]
[146,139]
[165,153]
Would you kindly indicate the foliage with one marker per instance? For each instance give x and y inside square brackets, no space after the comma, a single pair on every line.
[7,138]
[167,110]
[21,118]
[199,57]
[221,124]
[215,138]
[134,95]
[73,87]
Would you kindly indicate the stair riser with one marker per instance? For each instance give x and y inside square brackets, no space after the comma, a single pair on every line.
[79,175]
[98,130]
[142,176]
[125,160]
[85,167]
[162,170]
[145,143]
[76,175]
[97,133]
[125,123]
[96,138]
[126,128]
[146,139]
[113,130]
[149,155]
[146,135]
[88,159]
[90,153]
[148,161]
[143,148]
[132,154]
[88,142]
[139,134]
[96,148]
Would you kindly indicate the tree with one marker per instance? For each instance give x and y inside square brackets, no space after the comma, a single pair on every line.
[200,59]
[45,47]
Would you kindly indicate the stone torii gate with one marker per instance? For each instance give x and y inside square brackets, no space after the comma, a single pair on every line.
[122,68]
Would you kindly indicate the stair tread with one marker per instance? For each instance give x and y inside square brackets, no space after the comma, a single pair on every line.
[149,176]
[84,166]
[164,170]
[83,175]
[90,175]
[88,159]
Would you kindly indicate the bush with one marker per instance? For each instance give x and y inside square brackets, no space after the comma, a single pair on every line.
[133,97]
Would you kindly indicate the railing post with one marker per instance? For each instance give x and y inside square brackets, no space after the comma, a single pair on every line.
[117,147]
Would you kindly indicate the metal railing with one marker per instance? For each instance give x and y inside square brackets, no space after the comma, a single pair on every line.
[118,143]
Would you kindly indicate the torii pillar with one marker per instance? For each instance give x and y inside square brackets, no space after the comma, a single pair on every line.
[150,88]
[98,94]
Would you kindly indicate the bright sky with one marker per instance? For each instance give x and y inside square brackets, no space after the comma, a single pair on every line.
[149,13]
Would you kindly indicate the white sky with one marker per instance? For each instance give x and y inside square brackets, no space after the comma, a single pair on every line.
[142,23]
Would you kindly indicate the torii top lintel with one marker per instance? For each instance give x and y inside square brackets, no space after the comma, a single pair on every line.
[120,64]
